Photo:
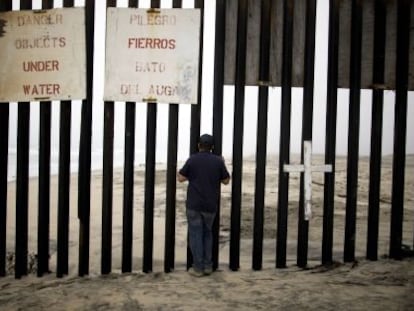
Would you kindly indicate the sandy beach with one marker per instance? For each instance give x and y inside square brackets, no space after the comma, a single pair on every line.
[362,285]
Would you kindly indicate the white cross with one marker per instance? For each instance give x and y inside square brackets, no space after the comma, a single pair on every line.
[308,168]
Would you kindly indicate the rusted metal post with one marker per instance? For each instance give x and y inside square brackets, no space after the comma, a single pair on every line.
[376,130]
[62,266]
[330,144]
[284,150]
[64,189]
[63,192]
[400,134]
[307,122]
[128,200]
[64,181]
[150,179]
[107,187]
[22,179]
[260,180]
[44,180]
[169,252]
[107,179]
[218,89]
[84,176]
[196,109]
[149,187]
[353,128]
[239,96]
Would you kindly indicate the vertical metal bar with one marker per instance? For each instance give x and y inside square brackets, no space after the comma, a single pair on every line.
[128,187]
[107,179]
[169,253]
[22,178]
[261,148]
[150,179]
[44,180]
[330,144]
[128,200]
[149,187]
[218,90]
[107,187]
[22,188]
[307,123]
[376,131]
[63,191]
[62,266]
[4,148]
[284,150]
[400,134]
[44,188]
[84,183]
[353,132]
[196,109]
[238,135]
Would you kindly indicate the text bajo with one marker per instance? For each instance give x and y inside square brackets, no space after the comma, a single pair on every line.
[149,67]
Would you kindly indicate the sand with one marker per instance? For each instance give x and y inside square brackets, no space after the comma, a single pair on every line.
[385,284]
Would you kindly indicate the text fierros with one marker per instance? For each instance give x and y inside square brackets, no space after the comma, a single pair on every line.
[151,43]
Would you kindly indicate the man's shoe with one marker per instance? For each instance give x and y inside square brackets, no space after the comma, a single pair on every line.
[208,271]
[195,272]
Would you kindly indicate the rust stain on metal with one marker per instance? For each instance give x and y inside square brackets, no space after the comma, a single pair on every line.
[378,86]
[2,25]
[149,100]
[153,11]
[264,83]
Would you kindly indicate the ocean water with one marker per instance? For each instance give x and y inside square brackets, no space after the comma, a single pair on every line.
[96,162]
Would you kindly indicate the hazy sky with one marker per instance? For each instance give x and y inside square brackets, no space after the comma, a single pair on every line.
[207,95]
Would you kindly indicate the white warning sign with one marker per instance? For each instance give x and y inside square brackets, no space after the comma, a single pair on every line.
[152,55]
[42,55]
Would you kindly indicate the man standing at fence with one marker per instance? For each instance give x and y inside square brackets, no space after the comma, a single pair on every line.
[204,172]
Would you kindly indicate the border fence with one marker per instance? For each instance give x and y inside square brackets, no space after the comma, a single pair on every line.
[264,43]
